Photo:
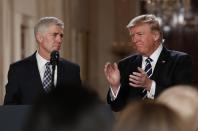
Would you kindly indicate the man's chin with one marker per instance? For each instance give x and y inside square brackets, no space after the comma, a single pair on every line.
[142,52]
[56,49]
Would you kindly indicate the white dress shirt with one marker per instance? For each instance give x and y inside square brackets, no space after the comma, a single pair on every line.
[41,67]
[154,56]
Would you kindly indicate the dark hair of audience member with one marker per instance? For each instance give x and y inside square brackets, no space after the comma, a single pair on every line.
[69,109]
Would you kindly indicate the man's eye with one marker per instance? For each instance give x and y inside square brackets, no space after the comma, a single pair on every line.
[61,35]
[140,34]
[55,34]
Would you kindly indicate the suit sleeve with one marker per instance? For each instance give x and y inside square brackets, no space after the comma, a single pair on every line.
[120,102]
[12,91]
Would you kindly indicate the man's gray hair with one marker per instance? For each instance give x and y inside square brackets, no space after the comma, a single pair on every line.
[44,22]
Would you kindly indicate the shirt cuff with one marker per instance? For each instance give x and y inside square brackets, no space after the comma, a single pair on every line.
[151,93]
[114,95]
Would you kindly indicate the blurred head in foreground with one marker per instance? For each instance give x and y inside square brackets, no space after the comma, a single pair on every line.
[184,100]
[148,116]
[70,109]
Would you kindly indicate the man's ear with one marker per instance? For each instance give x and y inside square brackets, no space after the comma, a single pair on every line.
[39,37]
[156,35]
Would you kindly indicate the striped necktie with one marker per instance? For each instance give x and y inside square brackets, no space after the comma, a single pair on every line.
[148,70]
[47,79]
[148,67]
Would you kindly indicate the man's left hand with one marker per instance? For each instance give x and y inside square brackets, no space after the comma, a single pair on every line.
[140,79]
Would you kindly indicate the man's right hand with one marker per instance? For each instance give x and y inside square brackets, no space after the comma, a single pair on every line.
[112,74]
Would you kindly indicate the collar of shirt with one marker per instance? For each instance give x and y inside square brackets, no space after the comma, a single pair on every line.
[154,56]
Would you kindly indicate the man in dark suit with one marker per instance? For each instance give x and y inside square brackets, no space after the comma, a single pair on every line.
[147,73]
[27,77]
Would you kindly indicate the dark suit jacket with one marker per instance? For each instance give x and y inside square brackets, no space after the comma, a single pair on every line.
[172,68]
[24,81]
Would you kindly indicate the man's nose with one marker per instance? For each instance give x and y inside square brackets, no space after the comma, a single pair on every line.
[59,38]
[133,39]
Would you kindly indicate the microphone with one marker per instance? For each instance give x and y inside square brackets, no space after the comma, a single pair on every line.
[54,61]
[54,58]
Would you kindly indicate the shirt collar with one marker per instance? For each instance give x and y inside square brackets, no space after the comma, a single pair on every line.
[155,55]
[41,61]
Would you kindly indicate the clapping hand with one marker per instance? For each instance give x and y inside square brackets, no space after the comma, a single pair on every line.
[140,79]
[112,74]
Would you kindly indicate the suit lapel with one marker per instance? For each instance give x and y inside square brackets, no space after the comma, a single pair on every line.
[161,62]
[35,73]
[137,62]
[60,72]
[130,66]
